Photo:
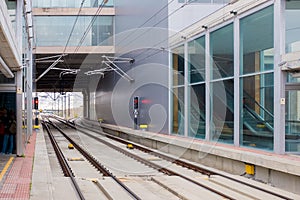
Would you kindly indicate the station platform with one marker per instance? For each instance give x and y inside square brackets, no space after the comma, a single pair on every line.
[16,173]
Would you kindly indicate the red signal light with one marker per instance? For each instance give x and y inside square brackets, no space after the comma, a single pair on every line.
[136,102]
[36,103]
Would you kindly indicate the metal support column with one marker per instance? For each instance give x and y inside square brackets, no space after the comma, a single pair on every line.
[186,91]
[85,104]
[57,106]
[170,127]
[65,101]
[207,87]
[88,104]
[20,139]
[69,106]
[279,78]
[20,143]
[237,106]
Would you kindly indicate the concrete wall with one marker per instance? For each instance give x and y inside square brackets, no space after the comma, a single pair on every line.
[133,39]
[181,18]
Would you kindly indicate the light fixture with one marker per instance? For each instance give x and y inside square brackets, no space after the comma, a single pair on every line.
[233,12]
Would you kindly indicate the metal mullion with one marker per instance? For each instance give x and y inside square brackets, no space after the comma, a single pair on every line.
[237,108]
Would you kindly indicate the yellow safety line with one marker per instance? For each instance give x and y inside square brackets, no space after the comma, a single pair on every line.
[6,167]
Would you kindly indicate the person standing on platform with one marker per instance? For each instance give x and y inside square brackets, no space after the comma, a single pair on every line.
[12,132]
[2,128]
[6,123]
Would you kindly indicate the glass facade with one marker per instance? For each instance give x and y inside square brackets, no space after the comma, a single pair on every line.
[292,128]
[178,66]
[257,90]
[292,106]
[292,28]
[222,111]
[257,38]
[55,30]
[257,115]
[178,90]
[11,6]
[253,75]
[178,111]
[197,111]
[222,94]
[69,3]
[204,1]
[221,46]
[196,59]
[196,70]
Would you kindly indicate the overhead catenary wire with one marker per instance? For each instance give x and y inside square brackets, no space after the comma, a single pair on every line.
[73,27]
[157,23]
[148,20]
[100,7]
[175,34]
[160,21]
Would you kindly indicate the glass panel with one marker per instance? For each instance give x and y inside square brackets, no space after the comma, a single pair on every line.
[292,79]
[197,111]
[178,111]
[221,1]
[4,80]
[70,3]
[221,44]
[292,121]
[199,1]
[257,38]
[292,14]
[178,65]
[11,6]
[55,30]
[257,112]
[196,56]
[205,1]
[222,111]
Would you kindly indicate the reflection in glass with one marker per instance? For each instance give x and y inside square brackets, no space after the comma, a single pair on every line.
[55,30]
[197,111]
[69,3]
[257,38]
[292,28]
[196,56]
[292,121]
[221,44]
[178,65]
[178,111]
[222,111]
[257,111]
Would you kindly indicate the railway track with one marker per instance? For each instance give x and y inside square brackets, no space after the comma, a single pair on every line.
[223,192]
[67,169]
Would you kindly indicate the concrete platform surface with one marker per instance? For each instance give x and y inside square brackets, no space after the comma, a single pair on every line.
[17,181]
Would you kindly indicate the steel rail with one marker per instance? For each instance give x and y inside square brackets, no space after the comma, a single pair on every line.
[63,163]
[95,163]
[181,162]
[155,166]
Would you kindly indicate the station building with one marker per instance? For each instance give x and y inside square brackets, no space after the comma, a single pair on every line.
[231,72]
[16,38]
[236,76]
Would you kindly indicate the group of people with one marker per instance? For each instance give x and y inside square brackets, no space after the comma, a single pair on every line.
[7,131]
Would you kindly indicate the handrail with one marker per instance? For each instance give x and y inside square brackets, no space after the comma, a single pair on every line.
[259,118]
[259,105]
[244,92]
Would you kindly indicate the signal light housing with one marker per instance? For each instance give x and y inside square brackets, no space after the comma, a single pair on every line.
[136,102]
[36,103]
